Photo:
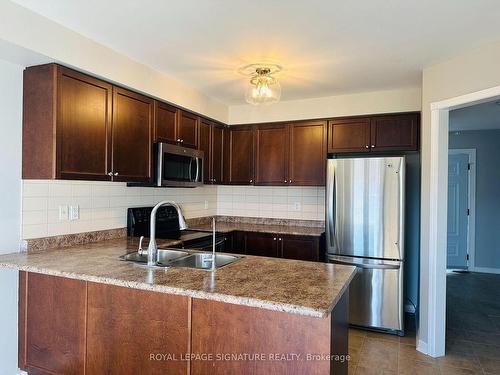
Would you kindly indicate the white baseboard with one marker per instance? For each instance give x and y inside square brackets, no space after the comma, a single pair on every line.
[422,347]
[485,270]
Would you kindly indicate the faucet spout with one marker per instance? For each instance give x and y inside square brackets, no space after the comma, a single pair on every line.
[152,247]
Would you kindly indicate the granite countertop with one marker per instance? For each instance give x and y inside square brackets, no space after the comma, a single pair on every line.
[292,286]
[266,228]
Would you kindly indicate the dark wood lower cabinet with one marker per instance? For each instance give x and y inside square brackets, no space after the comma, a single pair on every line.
[277,245]
[225,332]
[53,324]
[71,327]
[127,327]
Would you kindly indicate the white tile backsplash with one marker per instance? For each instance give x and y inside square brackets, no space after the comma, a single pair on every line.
[103,205]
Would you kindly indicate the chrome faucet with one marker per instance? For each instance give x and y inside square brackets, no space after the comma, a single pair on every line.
[153,248]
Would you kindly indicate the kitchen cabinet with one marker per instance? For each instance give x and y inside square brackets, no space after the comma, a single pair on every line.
[125,326]
[66,125]
[132,133]
[166,119]
[277,245]
[187,131]
[394,132]
[271,154]
[397,132]
[52,313]
[349,135]
[299,247]
[239,155]
[307,160]
[79,127]
[211,143]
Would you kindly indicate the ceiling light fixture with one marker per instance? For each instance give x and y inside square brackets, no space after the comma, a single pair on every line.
[263,87]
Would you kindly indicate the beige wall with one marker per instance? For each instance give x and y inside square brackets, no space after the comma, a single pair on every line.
[42,37]
[402,100]
[476,70]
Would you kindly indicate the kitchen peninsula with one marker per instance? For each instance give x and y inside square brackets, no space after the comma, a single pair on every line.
[83,311]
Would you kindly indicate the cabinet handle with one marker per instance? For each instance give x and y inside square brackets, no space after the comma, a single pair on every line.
[367,146]
[110,174]
[279,239]
[290,181]
[274,239]
[178,140]
[286,181]
[373,146]
[182,140]
[116,173]
[251,181]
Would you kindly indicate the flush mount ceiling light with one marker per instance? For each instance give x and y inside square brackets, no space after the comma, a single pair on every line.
[263,87]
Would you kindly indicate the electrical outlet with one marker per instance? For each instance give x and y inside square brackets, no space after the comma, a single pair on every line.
[63,212]
[296,206]
[74,212]
[206,205]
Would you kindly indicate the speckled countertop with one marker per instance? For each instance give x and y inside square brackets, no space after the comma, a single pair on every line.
[265,228]
[292,286]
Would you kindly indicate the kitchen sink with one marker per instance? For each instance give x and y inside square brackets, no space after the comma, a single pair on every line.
[164,256]
[203,261]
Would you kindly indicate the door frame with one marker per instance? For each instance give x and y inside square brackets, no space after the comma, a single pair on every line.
[432,325]
[471,203]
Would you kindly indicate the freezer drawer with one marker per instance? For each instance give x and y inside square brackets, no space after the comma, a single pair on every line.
[376,293]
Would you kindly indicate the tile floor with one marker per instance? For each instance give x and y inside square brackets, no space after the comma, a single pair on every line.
[473,336]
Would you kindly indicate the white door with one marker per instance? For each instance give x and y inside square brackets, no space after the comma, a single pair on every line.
[458,221]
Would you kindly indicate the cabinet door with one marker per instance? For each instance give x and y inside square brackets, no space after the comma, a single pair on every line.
[166,118]
[349,135]
[299,247]
[53,327]
[239,156]
[83,126]
[217,152]
[307,153]
[396,132]
[132,131]
[263,244]
[188,129]
[126,326]
[205,145]
[271,154]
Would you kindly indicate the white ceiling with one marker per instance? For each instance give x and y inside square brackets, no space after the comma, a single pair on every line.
[327,47]
[484,116]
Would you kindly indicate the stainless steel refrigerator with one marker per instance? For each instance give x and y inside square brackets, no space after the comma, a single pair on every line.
[365,227]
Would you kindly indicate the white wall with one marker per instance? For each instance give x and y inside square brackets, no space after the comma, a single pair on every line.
[30,31]
[403,100]
[473,71]
[10,207]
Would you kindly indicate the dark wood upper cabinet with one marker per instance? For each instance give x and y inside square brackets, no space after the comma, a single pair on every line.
[66,124]
[349,135]
[239,155]
[205,145]
[132,135]
[54,321]
[307,160]
[166,119]
[217,150]
[299,247]
[271,154]
[395,132]
[188,129]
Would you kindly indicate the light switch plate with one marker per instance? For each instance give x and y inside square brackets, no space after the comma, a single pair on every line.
[296,206]
[63,212]
[74,212]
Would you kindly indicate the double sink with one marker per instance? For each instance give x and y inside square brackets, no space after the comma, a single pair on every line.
[180,258]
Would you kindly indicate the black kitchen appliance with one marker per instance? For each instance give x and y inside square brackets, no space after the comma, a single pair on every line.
[167,227]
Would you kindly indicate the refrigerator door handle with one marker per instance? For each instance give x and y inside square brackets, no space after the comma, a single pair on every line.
[384,265]
[401,199]
[330,208]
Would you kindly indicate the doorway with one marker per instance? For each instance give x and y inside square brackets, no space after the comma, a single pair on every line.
[461,208]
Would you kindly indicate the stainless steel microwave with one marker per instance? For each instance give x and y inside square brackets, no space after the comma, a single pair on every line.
[178,166]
